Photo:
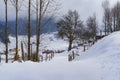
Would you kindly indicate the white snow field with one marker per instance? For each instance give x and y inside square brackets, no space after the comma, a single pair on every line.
[100,62]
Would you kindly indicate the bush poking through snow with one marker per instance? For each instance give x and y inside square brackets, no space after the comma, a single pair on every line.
[17,58]
[34,57]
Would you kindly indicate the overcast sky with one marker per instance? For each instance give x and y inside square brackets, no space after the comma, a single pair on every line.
[84,7]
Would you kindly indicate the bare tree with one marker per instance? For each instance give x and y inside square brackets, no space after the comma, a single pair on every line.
[69,26]
[6,29]
[16,29]
[43,8]
[117,15]
[29,27]
[92,26]
[17,8]
[113,12]
[107,19]
[38,29]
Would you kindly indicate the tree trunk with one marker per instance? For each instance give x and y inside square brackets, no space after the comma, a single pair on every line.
[37,14]
[16,29]
[6,32]
[70,45]
[36,18]
[38,32]
[29,27]
[105,27]
[114,24]
[23,54]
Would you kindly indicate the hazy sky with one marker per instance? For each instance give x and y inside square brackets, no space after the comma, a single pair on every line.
[84,7]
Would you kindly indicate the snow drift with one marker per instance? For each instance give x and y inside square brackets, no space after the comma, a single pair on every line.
[107,46]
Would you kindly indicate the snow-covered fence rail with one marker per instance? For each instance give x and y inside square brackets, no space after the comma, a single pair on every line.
[47,55]
[14,49]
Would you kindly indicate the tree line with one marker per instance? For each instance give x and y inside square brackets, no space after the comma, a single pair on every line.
[72,27]
[69,26]
[41,9]
[111,18]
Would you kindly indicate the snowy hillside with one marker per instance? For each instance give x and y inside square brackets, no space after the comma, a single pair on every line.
[100,62]
[108,46]
[106,52]
[48,41]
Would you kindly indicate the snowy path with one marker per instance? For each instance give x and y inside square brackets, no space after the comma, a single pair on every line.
[60,69]
[57,69]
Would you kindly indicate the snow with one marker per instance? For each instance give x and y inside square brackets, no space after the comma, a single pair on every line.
[52,43]
[106,53]
[100,62]
[108,46]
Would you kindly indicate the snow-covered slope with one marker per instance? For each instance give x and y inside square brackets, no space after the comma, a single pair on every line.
[100,62]
[47,41]
[108,46]
[106,52]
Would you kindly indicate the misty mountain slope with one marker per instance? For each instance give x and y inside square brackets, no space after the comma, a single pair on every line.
[49,26]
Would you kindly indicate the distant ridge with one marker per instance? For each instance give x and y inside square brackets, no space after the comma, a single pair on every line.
[22,27]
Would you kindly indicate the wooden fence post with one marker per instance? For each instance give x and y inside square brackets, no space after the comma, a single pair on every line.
[84,48]
[49,57]
[73,55]
[46,57]
[69,57]
[0,58]
[41,58]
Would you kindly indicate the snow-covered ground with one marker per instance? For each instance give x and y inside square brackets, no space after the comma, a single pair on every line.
[100,62]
